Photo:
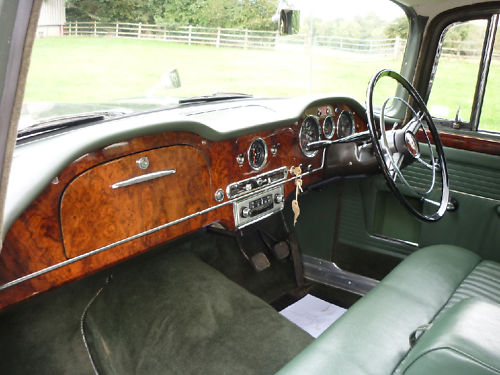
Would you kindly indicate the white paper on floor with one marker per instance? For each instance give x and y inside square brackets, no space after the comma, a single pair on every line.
[312,314]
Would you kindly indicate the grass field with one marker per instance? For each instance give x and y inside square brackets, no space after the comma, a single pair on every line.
[73,69]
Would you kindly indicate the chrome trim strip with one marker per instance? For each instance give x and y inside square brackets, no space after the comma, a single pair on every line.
[262,175]
[474,195]
[143,178]
[103,248]
[259,219]
[396,241]
[328,273]
[145,233]
[484,68]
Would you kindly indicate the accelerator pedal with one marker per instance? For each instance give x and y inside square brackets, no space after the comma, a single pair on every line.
[279,249]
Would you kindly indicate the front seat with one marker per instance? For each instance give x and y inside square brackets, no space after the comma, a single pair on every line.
[421,298]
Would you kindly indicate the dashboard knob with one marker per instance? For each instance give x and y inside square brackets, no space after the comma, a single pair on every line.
[278,198]
[246,212]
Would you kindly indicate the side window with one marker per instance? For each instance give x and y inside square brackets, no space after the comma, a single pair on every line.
[489,120]
[456,76]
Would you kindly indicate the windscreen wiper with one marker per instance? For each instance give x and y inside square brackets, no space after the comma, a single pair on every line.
[218,96]
[67,121]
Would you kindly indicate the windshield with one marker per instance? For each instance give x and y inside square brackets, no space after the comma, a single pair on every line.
[134,56]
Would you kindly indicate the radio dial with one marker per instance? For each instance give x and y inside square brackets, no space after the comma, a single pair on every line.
[246,212]
[278,198]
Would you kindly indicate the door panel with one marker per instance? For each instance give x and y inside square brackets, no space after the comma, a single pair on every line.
[372,224]
[474,184]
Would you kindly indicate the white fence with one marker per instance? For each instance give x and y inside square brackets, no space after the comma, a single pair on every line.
[218,37]
[238,38]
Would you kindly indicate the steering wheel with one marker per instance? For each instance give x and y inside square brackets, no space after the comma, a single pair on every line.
[396,146]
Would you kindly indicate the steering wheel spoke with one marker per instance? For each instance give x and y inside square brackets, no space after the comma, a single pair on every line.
[399,146]
[424,163]
[415,124]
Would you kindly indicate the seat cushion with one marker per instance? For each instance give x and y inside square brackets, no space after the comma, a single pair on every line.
[372,337]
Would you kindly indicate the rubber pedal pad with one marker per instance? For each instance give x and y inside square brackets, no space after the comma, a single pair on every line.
[260,262]
[281,250]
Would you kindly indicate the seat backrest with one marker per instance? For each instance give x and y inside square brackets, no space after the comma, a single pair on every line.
[372,337]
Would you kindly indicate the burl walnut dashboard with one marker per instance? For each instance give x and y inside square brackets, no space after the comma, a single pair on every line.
[130,195]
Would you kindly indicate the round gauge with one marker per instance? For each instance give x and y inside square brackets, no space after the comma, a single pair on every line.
[328,127]
[345,124]
[257,154]
[309,132]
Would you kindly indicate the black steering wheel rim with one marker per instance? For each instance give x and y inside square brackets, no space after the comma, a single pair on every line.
[379,152]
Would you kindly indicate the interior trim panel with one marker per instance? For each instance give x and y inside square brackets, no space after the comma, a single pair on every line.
[87,225]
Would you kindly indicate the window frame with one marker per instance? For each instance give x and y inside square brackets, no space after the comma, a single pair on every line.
[429,59]
[409,63]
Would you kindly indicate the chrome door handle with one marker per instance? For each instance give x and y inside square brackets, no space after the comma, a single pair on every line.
[143,178]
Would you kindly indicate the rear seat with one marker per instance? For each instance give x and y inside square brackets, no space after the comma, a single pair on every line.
[373,336]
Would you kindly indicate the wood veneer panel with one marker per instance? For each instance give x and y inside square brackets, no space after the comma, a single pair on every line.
[35,240]
[469,143]
[465,142]
[93,214]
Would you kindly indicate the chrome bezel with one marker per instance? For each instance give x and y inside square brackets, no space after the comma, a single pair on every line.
[241,222]
[353,126]
[334,127]
[309,154]
[265,154]
[284,170]
[219,195]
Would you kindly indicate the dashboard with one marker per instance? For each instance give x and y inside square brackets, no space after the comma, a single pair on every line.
[126,189]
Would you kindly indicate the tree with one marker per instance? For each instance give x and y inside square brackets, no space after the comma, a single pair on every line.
[109,10]
[251,14]
[397,28]
[370,26]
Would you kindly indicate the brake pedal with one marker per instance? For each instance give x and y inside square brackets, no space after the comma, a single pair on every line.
[260,262]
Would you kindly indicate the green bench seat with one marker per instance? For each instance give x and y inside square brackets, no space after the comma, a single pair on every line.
[372,337]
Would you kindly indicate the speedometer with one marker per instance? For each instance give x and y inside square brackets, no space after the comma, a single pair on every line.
[257,154]
[309,132]
[345,124]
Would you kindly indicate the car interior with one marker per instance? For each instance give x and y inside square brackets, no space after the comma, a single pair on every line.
[172,240]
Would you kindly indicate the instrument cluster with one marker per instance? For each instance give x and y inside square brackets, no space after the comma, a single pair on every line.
[326,122]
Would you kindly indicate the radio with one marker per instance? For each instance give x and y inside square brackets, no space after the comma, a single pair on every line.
[258,206]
